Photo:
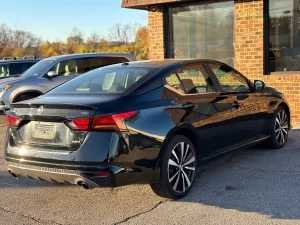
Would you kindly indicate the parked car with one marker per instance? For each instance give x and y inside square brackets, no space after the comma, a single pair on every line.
[142,122]
[15,67]
[53,71]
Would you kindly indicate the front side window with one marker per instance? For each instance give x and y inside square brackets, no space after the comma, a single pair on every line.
[102,81]
[284,35]
[203,31]
[229,79]
[65,68]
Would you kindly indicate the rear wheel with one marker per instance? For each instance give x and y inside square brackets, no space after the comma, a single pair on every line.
[178,170]
[279,128]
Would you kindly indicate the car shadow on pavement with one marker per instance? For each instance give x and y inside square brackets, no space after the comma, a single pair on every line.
[253,180]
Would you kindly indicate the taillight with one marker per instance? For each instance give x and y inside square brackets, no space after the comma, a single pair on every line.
[79,124]
[111,122]
[12,121]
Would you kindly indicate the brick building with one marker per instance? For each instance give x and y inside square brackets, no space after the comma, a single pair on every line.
[260,38]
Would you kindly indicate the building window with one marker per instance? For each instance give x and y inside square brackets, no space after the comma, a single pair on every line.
[203,31]
[284,35]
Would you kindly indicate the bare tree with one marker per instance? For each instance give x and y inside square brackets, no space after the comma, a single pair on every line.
[93,41]
[75,37]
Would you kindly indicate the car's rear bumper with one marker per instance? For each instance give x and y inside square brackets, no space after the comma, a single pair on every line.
[96,175]
[66,176]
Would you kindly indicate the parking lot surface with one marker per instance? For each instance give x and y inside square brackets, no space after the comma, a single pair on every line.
[249,186]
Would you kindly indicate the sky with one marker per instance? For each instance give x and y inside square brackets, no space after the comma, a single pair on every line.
[54,20]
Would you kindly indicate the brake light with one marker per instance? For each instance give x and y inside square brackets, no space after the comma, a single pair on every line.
[111,122]
[79,124]
[12,121]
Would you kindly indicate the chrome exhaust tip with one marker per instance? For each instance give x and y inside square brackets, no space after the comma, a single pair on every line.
[84,185]
[13,174]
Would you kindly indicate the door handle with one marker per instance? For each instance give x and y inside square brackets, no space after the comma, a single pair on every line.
[236,105]
[188,105]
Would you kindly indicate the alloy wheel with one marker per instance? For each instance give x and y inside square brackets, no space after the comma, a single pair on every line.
[182,167]
[281,127]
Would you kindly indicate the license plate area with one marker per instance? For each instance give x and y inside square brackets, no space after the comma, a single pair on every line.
[44,130]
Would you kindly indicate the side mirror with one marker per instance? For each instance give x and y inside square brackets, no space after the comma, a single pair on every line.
[259,85]
[52,74]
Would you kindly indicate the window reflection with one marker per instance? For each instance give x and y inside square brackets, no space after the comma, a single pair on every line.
[204,31]
[284,35]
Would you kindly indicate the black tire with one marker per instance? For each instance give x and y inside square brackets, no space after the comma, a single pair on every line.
[279,130]
[176,181]
[24,97]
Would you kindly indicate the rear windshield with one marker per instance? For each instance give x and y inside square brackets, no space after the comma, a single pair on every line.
[102,81]
[38,68]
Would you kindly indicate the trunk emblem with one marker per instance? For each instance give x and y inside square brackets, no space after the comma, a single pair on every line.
[40,110]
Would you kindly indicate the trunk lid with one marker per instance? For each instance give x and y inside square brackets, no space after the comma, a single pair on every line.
[43,121]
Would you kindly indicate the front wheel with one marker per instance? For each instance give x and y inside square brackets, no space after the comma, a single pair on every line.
[178,170]
[279,128]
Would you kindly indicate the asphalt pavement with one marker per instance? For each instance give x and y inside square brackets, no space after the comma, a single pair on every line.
[249,186]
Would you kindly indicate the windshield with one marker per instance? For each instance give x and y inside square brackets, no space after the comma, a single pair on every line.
[37,68]
[102,81]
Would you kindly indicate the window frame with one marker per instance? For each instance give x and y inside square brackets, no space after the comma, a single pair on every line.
[213,79]
[250,84]
[266,42]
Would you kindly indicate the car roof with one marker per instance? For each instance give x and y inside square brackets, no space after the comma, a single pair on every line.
[164,63]
[74,56]
[19,60]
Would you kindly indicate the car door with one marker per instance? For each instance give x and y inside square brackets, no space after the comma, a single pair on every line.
[249,109]
[197,102]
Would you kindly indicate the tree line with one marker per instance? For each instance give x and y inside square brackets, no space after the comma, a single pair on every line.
[129,38]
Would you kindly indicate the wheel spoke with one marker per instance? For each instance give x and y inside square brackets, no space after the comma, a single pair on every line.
[189,168]
[176,182]
[189,161]
[186,153]
[284,131]
[175,175]
[277,121]
[174,153]
[282,137]
[187,179]
[172,163]
[283,117]
[277,130]
[285,127]
[182,151]
[277,136]
[183,184]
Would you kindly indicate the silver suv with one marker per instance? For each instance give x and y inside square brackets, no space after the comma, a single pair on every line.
[51,72]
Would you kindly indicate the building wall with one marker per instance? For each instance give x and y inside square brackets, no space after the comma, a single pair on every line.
[249,54]
[156,35]
[249,50]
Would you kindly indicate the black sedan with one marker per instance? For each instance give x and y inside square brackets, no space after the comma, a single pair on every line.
[142,122]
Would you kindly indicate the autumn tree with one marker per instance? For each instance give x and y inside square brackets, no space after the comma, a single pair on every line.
[142,43]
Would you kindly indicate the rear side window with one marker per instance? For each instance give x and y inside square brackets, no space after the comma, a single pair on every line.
[102,81]
[19,68]
[195,79]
